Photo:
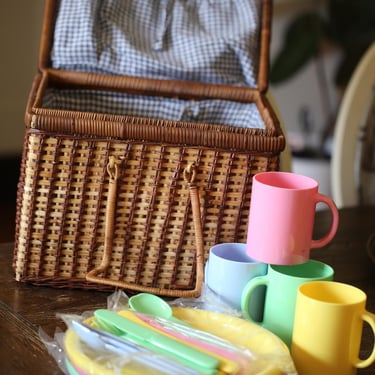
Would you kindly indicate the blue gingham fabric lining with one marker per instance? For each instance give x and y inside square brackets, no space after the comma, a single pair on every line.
[221,112]
[213,41]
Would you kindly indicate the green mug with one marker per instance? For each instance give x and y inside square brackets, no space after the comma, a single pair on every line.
[282,283]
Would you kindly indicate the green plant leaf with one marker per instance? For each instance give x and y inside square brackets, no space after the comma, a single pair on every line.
[301,43]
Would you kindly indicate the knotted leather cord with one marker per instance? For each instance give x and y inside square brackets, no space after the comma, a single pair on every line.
[112,170]
[189,175]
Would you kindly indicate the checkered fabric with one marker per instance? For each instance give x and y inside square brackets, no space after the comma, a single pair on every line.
[213,41]
[222,112]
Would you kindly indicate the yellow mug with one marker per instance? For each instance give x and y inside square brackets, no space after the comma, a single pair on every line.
[328,329]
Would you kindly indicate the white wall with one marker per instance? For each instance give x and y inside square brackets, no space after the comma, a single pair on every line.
[20,25]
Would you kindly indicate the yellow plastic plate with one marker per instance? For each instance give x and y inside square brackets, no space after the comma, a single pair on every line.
[271,355]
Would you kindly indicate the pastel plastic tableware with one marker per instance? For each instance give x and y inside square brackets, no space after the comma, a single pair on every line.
[328,329]
[270,354]
[159,343]
[228,270]
[150,304]
[88,362]
[282,283]
[102,341]
[229,361]
[72,369]
[281,218]
[222,347]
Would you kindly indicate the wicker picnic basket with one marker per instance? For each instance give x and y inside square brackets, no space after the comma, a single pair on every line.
[110,199]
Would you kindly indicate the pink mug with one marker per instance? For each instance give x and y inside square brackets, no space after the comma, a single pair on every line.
[281,218]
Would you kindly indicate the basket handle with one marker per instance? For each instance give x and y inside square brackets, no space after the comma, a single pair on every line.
[95,275]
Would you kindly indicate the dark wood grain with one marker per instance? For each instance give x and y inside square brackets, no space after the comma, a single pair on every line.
[25,308]
[21,351]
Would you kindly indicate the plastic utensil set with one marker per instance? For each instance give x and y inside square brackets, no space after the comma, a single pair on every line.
[151,343]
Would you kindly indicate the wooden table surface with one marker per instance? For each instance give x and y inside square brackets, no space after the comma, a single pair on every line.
[25,308]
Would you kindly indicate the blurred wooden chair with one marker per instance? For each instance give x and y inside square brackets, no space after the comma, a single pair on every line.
[353,149]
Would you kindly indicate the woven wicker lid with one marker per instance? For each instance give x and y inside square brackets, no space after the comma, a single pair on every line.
[266,136]
[261,66]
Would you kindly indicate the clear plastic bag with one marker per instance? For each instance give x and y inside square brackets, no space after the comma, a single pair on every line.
[240,346]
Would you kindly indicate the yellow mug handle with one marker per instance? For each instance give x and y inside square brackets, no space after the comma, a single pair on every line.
[370,319]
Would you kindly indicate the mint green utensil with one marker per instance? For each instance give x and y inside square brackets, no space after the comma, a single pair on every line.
[159,343]
[149,304]
[70,368]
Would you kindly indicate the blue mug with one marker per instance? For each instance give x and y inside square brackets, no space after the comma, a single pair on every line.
[228,271]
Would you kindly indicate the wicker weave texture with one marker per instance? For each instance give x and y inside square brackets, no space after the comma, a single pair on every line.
[62,200]
[152,229]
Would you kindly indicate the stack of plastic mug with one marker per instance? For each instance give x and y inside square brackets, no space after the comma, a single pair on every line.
[274,282]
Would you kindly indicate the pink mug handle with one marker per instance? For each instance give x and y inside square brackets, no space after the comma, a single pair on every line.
[321,198]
